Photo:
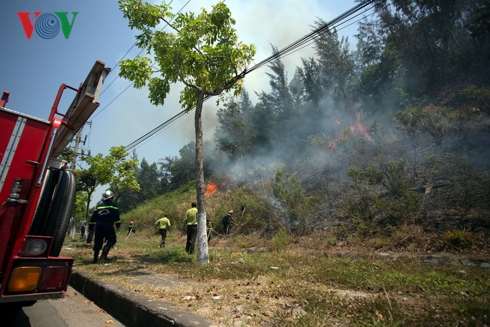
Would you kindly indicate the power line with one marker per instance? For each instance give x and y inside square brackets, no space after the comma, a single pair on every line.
[295,45]
[337,29]
[155,130]
[168,124]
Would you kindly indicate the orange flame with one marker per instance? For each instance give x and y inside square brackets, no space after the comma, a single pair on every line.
[360,127]
[356,125]
[211,188]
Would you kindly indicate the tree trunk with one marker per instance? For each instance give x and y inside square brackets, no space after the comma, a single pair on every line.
[202,240]
[87,218]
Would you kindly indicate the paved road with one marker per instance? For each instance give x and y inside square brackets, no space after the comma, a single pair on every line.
[74,310]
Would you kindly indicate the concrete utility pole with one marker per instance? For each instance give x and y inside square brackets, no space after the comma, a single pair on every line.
[77,143]
[73,166]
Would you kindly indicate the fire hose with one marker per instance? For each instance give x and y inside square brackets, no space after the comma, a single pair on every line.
[128,234]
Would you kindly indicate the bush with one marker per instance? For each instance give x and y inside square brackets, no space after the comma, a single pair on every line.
[280,240]
[457,239]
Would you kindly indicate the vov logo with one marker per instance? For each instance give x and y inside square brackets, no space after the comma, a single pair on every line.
[47,25]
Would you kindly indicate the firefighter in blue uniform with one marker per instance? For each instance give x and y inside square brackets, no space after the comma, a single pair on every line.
[104,217]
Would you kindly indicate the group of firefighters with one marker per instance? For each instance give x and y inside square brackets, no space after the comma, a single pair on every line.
[106,215]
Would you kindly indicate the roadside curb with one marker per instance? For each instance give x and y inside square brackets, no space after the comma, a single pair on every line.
[133,309]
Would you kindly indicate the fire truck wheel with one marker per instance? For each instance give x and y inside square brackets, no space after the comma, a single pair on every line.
[65,213]
[58,198]
[44,203]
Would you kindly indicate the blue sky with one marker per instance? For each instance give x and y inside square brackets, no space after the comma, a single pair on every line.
[33,69]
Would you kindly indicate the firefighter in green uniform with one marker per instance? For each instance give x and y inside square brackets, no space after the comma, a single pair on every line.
[161,226]
[190,225]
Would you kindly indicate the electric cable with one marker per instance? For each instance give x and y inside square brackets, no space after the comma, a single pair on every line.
[337,29]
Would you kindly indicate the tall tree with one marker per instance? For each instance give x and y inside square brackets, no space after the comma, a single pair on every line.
[337,65]
[165,171]
[148,179]
[310,75]
[202,52]
[233,135]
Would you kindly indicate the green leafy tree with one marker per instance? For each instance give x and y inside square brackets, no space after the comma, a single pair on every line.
[148,177]
[87,182]
[115,170]
[81,201]
[68,155]
[380,84]
[183,169]
[479,25]
[279,98]
[203,53]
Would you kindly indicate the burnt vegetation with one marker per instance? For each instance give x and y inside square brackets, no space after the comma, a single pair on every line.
[391,133]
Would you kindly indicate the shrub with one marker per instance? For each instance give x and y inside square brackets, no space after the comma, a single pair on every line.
[472,184]
[456,239]
[290,194]
[280,240]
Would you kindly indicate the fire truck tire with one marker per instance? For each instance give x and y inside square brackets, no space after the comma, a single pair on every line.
[44,203]
[65,213]
[51,222]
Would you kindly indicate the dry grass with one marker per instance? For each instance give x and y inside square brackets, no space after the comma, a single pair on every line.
[313,280]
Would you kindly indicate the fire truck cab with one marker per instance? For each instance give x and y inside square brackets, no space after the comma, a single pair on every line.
[37,194]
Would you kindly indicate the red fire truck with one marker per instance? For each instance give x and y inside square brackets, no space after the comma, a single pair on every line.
[37,194]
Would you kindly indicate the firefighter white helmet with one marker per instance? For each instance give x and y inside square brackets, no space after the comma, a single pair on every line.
[107,195]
